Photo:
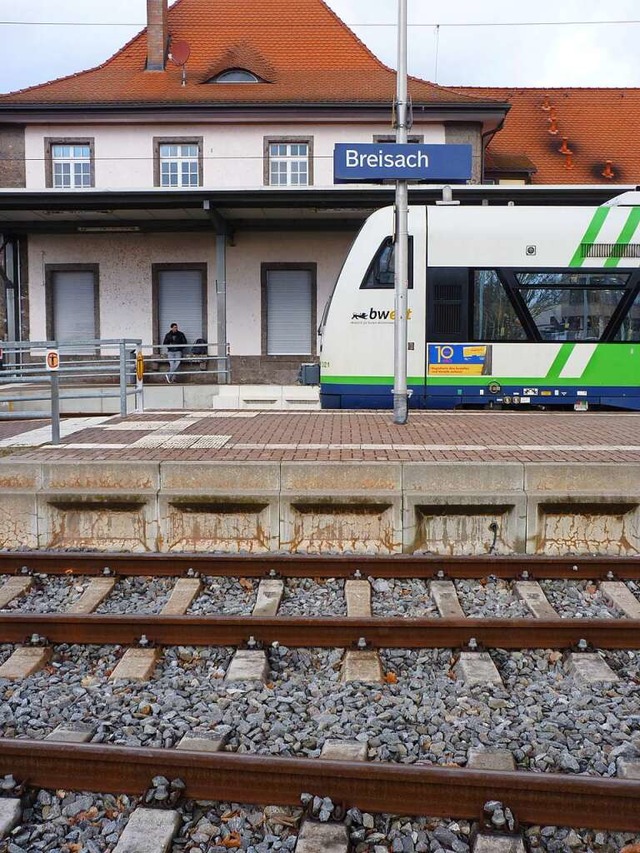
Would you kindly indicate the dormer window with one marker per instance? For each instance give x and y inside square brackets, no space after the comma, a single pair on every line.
[236,75]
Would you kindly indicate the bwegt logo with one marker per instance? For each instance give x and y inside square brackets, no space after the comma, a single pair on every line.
[378,314]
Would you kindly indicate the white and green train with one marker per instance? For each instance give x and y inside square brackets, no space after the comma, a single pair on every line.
[507,305]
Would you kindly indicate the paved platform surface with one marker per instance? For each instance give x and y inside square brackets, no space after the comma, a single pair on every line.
[33,433]
[226,436]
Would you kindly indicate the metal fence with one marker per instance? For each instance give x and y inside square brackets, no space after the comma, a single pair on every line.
[199,360]
[52,371]
[104,368]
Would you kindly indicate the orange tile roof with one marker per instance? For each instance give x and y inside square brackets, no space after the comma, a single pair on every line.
[600,125]
[301,47]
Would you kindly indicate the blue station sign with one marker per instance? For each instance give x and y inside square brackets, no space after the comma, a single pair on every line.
[377,162]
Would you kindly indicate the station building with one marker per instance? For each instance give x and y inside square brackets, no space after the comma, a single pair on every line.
[189,178]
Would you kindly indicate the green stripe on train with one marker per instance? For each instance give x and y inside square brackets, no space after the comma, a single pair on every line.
[559,362]
[597,221]
[610,365]
[626,234]
[593,229]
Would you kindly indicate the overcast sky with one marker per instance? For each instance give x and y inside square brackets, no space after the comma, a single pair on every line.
[450,41]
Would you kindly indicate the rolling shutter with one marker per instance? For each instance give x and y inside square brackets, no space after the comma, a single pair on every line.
[181,301]
[74,314]
[289,312]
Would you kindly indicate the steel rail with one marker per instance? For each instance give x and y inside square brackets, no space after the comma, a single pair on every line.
[303,565]
[541,798]
[321,632]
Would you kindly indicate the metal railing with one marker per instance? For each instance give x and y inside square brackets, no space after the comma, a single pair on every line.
[95,369]
[47,368]
[201,360]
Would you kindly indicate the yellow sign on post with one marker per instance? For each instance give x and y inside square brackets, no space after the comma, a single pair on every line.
[139,366]
[53,359]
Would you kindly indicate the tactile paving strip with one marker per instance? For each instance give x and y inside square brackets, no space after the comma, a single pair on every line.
[212,441]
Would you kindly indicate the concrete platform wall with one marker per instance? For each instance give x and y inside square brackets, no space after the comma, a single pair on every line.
[158,395]
[298,507]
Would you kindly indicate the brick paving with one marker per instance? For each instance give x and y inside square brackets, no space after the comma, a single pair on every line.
[346,436]
[31,433]
[9,429]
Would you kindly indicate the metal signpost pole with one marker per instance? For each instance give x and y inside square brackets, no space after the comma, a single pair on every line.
[55,408]
[52,361]
[123,379]
[400,396]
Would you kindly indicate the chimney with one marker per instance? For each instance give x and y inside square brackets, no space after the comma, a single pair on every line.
[156,34]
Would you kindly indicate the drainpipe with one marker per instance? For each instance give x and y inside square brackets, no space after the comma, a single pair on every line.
[157,34]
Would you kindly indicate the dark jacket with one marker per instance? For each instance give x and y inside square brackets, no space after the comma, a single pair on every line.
[172,341]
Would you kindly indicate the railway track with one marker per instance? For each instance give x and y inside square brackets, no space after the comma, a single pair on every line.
[319,632]
[549,798]
[453,629]
[544,798]
[302,565]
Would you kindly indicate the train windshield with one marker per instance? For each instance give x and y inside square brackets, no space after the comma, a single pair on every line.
[381,272]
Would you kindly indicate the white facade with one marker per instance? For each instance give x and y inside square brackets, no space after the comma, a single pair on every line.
[125,262]
[232,153]
[232,157]
[150,188]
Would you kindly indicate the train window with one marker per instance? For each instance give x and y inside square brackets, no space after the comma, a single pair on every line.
[630,327]
[381,272]
[494,317]
[571,306]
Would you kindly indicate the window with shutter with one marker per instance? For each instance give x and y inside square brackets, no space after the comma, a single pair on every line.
[181,299]
[72,305]
[289,311]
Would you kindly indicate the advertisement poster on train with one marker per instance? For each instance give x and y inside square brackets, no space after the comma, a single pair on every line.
[459,359]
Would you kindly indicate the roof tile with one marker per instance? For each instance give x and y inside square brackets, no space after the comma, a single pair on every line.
[301,46]
[599,125]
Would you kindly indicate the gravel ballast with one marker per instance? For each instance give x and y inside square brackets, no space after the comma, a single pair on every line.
[311,597]
[491,598]
[229,596]
[422,712]
[82,822]
[48,594]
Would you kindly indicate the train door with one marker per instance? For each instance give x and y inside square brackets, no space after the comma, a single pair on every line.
[447,324]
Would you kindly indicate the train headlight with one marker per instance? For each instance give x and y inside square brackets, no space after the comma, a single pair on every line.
[495,388]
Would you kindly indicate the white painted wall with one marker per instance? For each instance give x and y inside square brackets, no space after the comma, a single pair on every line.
[233,153]
[233,158]
[244,260]
[125,262]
